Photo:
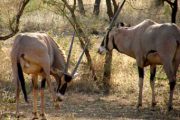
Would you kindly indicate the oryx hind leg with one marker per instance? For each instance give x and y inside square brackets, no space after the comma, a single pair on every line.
[17,98]
[42,114]
[35,93]
[152,83]
[46,75]
[169,69]
[167,54]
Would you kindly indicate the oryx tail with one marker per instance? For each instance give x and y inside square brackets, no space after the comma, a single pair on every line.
[22,81]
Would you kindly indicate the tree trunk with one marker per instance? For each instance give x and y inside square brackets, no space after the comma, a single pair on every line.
[107,72]
[96,7]
[81,7]
[109,9]
[115,6]
[174,7]
[174,11]
[81,35]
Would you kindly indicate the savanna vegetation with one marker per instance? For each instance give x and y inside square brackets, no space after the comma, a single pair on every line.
[92,95]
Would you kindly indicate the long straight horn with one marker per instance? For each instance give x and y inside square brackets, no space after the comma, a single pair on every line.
[113,20]
[79,61]
[115,15]
[69,54]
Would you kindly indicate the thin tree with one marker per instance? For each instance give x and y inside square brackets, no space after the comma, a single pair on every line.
[81,7]
[96,7]
[174,7]
[14,23]
[62,8]
[108,57]
[109,9]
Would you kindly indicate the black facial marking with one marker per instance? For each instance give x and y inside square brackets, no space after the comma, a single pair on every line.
[43,83]
[172,85]
[152,74]
[67,78]
[141,72]
[63,89]
[107,40]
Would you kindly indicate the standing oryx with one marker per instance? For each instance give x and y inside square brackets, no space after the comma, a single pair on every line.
[37,54]
[151,44]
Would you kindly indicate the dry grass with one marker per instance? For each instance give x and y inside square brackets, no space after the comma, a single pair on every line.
[84,98]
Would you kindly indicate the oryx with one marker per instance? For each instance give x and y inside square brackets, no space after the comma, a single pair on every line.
[38,54]
[151,44]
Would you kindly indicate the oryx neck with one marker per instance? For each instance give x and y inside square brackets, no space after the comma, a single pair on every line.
[125,42]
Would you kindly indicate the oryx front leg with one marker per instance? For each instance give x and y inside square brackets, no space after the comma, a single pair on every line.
[152,83]
[141,78]
[46,75]
[35,88]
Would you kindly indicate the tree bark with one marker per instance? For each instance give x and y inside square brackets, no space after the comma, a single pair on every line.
[14,25]
[174,7]
[81,7]
[174,11]
[107,72]
[115,5]
[109,9]
[96,7]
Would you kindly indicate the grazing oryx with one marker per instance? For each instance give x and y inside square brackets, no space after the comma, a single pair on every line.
[150,43]
[37,54]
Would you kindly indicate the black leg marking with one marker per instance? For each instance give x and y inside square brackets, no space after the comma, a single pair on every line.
[152,74]
[43,83]
[172,85]
[141,72]
[63,89]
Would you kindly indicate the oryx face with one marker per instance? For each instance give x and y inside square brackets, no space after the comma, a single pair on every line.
[106,45]
[62,85]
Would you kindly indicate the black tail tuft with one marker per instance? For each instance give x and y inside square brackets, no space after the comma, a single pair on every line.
[22,81]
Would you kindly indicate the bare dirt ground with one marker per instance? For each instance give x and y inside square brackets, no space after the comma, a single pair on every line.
[80,106]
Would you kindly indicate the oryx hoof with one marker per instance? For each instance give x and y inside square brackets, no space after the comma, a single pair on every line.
[43,117]
[35,116]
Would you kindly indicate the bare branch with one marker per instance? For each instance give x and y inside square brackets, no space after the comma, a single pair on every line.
[16,21]
[74,6]
[169,2]
[68,6]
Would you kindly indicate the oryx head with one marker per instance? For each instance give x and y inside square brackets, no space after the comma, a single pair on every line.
[67,77]
[107,43]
